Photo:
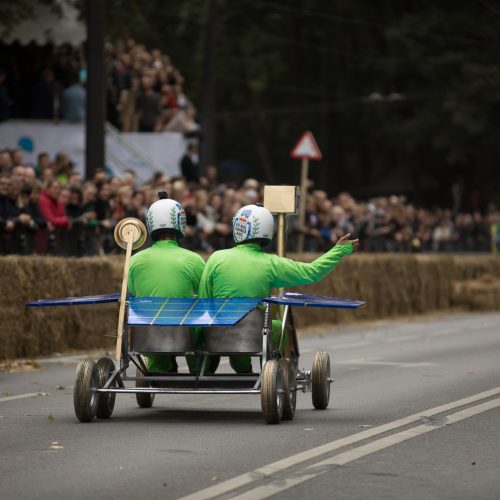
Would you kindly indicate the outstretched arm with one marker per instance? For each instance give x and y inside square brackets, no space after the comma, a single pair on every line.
[288,272]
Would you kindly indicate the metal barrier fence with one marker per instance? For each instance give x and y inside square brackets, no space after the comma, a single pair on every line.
[90,240]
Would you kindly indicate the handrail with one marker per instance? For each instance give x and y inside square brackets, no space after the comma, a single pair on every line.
[133,148]
[116,161]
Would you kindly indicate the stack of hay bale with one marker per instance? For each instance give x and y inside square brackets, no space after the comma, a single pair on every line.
[391,284]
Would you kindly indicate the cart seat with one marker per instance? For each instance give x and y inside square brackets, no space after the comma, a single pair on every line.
[161,339]
[243,338]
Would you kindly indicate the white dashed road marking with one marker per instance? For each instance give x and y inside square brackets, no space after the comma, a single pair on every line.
[267,471]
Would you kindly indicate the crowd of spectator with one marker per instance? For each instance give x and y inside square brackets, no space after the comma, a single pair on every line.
[144,90]
[393,224]
[48,208]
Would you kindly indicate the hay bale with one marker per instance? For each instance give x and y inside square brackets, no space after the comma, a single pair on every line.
[471,267]
[13,330]
[389,286]
[481,294]
[31,332]
[392,284]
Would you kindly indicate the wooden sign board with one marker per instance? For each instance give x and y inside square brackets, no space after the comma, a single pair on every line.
[282,199]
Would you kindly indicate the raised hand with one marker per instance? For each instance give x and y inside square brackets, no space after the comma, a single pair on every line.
[345,240]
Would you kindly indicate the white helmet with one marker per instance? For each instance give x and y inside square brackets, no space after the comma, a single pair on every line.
[253,222]
[166,216]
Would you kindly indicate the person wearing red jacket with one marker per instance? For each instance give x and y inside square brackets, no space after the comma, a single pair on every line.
[54,213]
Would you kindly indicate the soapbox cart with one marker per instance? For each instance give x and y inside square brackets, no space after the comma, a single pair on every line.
[235,326]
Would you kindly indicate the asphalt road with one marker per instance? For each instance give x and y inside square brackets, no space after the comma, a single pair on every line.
[414,414]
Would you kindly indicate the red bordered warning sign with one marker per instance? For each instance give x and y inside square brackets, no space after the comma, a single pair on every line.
[306,147]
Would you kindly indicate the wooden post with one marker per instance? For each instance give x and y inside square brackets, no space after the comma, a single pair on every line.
[281,241]
[130,234]
[304,174]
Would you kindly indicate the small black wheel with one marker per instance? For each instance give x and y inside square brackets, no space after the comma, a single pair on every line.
[272,391]
[320,378]
[289,389]
[105,400]
[144,399]
[84,392]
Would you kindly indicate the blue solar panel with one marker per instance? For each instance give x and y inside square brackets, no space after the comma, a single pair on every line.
[77,301]
[306,300]
[156,311]
[204,309]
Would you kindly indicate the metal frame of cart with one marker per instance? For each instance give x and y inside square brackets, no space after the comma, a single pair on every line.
[233,326]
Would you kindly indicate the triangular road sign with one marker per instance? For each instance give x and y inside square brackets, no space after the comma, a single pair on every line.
[306,147]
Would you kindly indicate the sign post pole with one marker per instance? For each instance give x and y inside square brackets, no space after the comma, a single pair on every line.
[281,200]
[306,149]
[281,240]
[304,175]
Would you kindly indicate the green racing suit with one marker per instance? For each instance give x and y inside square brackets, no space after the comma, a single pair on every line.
[165,270]
[247,271]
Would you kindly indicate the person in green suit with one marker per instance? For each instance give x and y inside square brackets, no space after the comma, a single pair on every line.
[165,269]
[247,271]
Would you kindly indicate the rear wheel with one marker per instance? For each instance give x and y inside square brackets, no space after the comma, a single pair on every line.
[272,390]
[84,392]
[144,399]
[289,389]
[320,378]
[105,400]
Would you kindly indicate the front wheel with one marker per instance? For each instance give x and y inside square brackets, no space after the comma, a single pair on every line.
[84,392]
[272,390]
[289,389]
[144,399]
[105,400]
[320,378]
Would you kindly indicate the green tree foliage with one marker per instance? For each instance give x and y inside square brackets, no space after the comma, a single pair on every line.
[387,86]
[13,12]
[384,85]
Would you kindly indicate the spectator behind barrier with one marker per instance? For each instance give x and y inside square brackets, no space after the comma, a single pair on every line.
[72,217]
[54,212]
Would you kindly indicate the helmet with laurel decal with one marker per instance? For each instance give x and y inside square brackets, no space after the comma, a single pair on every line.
[166,216]
[253,223]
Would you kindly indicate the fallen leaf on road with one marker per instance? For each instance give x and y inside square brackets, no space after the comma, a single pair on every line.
[26,365]
[60,387]
[471,371]
[215,478]
[50,418]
